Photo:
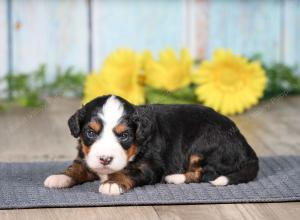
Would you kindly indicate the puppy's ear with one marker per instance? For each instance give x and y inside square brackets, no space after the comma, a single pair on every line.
[75,122]
[144,122]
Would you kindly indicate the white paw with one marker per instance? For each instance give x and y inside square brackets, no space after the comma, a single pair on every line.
[175,178]
[220,181]
[111,189]
[58,181]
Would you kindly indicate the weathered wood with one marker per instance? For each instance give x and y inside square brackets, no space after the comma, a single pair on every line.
[132,212]
[139,25]
[267,211]
[50,32]
[248,126]
[3,44]
[247,27]
[275,129]
[56,32]
[26,134]
[291,32]
[196,23]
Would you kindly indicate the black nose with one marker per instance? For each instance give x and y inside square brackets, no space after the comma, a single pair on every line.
[105,160]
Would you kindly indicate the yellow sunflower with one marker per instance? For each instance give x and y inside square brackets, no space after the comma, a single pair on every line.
[120,75]
[169,72]
[230,83]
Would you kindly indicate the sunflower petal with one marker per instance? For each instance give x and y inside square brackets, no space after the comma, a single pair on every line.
[238,83]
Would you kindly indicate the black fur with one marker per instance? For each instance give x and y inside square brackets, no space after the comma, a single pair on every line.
[177,131]
[167,135]
[75,122]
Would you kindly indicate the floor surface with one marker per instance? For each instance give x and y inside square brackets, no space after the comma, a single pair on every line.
[272,128]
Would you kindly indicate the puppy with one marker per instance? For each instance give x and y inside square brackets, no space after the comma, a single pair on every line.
[126,146]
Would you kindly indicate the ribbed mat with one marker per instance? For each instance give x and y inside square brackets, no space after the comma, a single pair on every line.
[21,186]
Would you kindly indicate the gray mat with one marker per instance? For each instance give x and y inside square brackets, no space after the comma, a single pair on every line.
[21,186]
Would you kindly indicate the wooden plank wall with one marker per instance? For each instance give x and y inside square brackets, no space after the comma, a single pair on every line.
[291,32]
[3,46]
[52,32]
[136,24]
[247,27]
[57,32]
[3,39]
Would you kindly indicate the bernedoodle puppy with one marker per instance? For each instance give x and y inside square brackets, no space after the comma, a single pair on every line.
[125,146]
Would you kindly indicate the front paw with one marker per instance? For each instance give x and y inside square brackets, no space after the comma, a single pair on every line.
[58,181]
[111,188]
[175,178]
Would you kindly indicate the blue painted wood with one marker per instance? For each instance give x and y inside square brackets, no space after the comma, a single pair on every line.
[291,32]
[55,32]
[197,27]
[3,47]
[3,39]
[50,32]
[135,24]
[247,27]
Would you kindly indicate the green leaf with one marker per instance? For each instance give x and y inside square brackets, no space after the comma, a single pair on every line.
[281,79]
[182,96]
[29,89]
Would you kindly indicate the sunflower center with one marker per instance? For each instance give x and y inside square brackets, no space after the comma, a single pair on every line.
[230,80]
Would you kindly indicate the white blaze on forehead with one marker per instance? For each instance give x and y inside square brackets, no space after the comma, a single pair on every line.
[112,111]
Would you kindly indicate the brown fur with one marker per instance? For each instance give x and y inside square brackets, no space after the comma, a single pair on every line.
[80,173]
[194,171]
[96,126]
[120,128]
[193,177]
[122,179]
[195,160]
[83,148]
[131,151]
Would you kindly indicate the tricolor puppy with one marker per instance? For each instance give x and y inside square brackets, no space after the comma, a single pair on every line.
[126,146]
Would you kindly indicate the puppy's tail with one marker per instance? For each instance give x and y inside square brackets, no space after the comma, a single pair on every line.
[247,173]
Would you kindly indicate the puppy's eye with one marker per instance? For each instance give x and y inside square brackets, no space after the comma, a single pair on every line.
[123,136]
[91,134]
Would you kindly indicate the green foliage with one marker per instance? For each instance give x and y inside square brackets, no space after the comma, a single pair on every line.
[2,108]
[67,83]
[282,79]
[27,89]
[182,96]
[30,89]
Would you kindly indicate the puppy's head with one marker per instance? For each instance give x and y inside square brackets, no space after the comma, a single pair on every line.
[107,133]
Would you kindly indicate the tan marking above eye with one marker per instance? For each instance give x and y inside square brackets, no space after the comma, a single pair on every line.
[96,126]
[120,128]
